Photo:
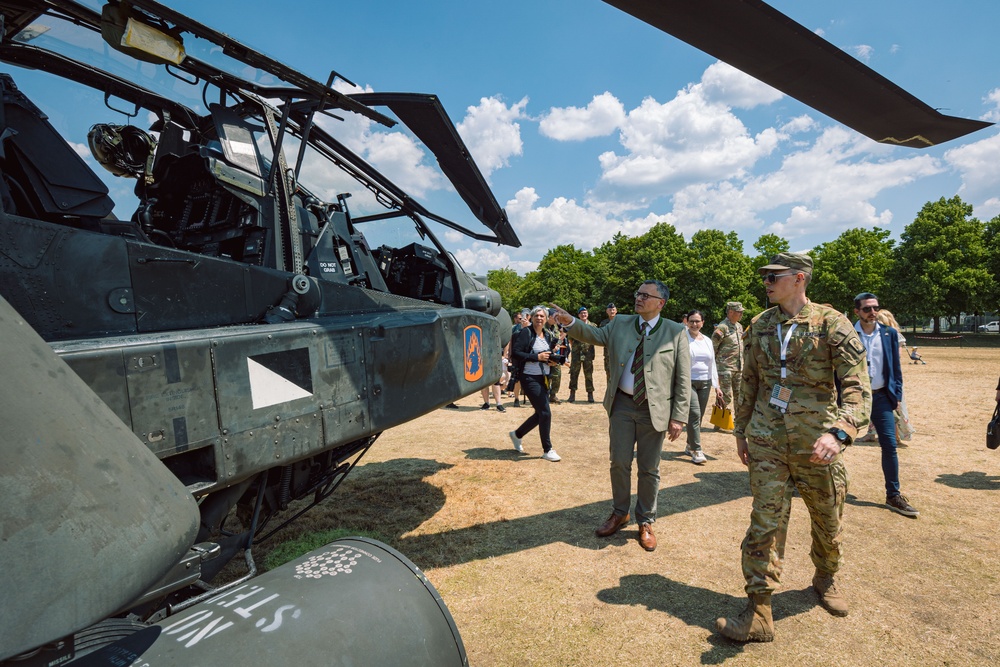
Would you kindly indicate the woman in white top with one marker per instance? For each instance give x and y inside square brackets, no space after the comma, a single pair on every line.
[704,377]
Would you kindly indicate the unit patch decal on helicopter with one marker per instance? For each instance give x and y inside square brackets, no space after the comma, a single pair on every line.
[278,377]
[473,353]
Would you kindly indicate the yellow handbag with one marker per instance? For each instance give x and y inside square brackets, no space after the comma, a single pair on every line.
[722,418]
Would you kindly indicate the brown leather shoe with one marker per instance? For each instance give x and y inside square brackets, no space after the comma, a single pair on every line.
[646,538]
[612,525]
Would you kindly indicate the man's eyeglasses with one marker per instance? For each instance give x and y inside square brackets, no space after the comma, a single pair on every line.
[771,278]
[643,296]
[868,309]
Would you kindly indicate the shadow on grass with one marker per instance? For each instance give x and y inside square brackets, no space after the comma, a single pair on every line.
[392,498]
[699,607]
[974,480]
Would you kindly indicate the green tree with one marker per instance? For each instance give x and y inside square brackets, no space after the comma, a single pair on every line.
[717,271]
[507,283]
[563,277]
[940,267]
[767,246]
[991,240]
[859,260]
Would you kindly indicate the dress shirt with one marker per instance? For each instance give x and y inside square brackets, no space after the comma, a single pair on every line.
[876,359]
[627,383]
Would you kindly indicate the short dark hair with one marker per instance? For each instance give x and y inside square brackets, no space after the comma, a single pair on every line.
[663,290]
[864,296]
[696,312]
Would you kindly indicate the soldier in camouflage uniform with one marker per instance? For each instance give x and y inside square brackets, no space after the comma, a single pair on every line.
[611,310]
[563,349]
[728,342]
[790,432]
[583,357]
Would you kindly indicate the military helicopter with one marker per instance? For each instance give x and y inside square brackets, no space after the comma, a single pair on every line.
[241,324]
[176,378]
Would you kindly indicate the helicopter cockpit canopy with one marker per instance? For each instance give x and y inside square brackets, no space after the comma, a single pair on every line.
[143,55]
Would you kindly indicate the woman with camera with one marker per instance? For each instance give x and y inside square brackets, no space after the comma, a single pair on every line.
[531,349]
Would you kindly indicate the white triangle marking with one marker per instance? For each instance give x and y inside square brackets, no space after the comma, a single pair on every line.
[269,388]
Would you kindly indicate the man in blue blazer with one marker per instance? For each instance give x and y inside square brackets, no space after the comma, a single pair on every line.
[646,399]
[882,347]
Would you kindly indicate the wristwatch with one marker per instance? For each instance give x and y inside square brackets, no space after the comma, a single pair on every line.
[841,435]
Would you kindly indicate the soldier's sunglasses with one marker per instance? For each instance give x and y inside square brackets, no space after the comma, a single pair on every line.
[771,278]
[868,309]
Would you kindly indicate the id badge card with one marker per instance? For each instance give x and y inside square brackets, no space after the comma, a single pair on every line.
[780,397]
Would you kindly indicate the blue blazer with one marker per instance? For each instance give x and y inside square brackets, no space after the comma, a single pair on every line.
[890,363]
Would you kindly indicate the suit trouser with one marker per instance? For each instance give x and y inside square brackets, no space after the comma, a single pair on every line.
[884,421]
[777,468]
[631,429]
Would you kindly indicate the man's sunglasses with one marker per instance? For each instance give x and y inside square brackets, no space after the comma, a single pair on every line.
[771,278]
[868,309]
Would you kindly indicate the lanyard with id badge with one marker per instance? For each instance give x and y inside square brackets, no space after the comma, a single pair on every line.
[781,395]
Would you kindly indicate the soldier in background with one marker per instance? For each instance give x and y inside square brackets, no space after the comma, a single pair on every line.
[728,342]
[562,349]
[583,357]
[611,310]
[790,432]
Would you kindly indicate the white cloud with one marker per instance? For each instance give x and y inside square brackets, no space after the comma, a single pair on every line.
[599,118]
[976,162]
[993,98]
[491,132]
[480,259]
[862,52]
[724,84]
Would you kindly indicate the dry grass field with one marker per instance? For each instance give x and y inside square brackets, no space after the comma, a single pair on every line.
[508,540]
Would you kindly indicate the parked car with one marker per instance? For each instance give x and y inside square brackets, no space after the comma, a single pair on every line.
[992,327]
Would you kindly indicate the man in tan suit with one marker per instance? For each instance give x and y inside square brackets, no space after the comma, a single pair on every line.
[646,399]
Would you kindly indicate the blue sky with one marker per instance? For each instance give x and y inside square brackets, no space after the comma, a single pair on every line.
[588,122]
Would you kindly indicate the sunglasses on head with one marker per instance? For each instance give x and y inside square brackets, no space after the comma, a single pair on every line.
[868,309]
[771,278]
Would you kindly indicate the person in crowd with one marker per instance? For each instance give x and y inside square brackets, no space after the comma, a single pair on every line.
[530,350]
[886,376]
[704,382]
[904,428]
[497,387]
[560,356]
[648,397]
[514,384]
[728,342]
[583,358]
[791,427]
[611,310]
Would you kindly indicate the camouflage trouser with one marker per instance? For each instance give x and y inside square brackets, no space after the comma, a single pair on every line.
[574,372]
[729,383]
[555,379]
[775,470]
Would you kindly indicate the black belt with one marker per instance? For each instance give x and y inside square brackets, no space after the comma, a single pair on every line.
[883,389]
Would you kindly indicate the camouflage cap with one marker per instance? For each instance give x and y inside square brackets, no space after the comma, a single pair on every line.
[784,261]
[734,305]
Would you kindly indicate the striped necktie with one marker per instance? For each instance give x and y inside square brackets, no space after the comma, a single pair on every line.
[639,388]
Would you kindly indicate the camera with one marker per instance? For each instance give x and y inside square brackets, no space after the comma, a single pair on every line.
[557,358]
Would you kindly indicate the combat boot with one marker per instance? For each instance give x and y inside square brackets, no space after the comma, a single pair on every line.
[572,395]
[590,397]
[829,597]
[754,624]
